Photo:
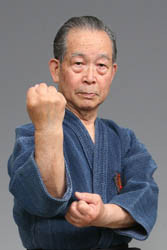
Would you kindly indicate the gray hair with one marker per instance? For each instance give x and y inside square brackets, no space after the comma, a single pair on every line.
[87,22]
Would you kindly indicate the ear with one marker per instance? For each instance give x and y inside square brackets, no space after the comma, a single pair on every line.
[54,67]
[114,70]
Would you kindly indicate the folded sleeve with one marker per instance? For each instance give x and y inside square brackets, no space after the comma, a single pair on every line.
[139,195]
[26,183]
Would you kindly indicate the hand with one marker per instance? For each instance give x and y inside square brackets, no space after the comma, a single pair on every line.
[88,211]
[45,106]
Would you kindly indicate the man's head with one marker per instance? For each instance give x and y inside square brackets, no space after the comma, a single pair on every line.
[84,64]
[83,22]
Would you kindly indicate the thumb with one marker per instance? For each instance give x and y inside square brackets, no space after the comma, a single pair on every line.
[87,197]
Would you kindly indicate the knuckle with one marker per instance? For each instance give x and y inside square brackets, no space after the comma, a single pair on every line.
[42,89]
[81,203]
[52,88]
[73,206]
[42,84]
[72,209]
[30,91]
[97,196]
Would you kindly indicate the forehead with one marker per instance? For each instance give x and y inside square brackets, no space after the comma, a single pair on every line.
[88,42]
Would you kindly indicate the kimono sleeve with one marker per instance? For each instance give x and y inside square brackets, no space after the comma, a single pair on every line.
[26,183]
[139,195]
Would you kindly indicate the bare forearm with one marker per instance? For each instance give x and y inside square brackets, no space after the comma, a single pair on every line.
[46,109]
[50,159]
[116,217]
[90,210]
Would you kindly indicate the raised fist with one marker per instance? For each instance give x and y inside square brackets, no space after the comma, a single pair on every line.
[45,106]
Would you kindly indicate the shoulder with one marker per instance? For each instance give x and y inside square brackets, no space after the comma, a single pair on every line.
[24,140]
[122,132]
[125,135]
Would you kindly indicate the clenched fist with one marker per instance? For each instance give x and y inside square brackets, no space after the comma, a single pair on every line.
[45,106]
[90,210]
[87,211]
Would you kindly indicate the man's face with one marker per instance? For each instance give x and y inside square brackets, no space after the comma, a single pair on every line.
[87,71]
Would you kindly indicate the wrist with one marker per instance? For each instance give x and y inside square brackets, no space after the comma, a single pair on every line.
[49,142]
[106,215]
[49,130]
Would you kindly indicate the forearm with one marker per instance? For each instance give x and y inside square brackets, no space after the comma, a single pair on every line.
[116,217]
[90,210]
[50,159]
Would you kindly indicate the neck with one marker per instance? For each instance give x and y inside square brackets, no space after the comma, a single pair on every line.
[87,118]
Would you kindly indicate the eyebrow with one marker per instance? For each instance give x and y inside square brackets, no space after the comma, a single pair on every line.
[98,56]
[104,56]
[77,54]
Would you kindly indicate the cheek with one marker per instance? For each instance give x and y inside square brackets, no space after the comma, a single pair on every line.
[71,79]
[105,84]
[68,84]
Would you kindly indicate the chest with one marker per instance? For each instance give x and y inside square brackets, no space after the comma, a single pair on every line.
[93,166]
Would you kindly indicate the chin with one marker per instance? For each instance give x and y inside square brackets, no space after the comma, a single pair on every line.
[88,107]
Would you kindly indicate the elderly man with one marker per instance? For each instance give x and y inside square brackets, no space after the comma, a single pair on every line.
[80,182]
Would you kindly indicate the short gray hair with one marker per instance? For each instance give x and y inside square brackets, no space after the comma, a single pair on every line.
[87,22]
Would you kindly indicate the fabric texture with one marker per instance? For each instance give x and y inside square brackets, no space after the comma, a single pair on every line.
[113,248]
[90,168]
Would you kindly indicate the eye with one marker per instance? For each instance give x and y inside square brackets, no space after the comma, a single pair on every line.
[77,66]
[102,65]
[78,63]
[102,68]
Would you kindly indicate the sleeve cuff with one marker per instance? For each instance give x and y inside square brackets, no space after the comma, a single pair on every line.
[140,231]
[35,197]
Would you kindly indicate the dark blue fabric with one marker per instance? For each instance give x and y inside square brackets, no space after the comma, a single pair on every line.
[89,168]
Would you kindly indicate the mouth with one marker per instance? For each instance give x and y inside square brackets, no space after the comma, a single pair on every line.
[87,95]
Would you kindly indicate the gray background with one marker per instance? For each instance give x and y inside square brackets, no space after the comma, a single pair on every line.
[138,94]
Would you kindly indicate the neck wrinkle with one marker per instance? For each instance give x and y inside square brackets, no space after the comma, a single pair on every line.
[86,117]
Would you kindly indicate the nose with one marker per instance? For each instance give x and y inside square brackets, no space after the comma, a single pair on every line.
[89,75]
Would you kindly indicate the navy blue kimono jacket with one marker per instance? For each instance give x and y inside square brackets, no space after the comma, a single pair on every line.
[90,167]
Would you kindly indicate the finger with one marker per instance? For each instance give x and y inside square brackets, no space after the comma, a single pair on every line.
[36,86]
[82,216]
[52,89]
[31,94]
[84,208]
[43,85]
[78,222]
[42,88]
[88,197]
[73,210]
[32,89]
[73,221]
[73,217]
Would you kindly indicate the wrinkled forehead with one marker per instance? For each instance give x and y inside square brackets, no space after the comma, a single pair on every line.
[88,40]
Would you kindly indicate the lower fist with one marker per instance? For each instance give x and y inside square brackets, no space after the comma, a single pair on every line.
[87,211]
